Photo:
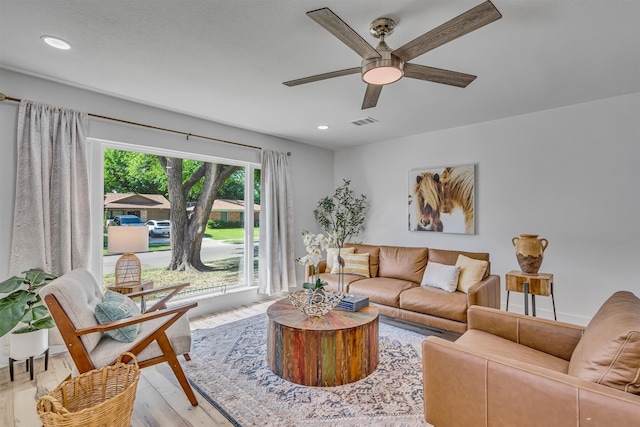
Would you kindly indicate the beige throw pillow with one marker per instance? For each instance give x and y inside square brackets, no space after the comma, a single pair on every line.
[331,254]
[353,264]
[441,276]
[471,272]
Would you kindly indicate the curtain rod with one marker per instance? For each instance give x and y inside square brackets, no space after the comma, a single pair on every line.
[4,97]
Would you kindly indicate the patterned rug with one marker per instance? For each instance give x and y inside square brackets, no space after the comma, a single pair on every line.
[228,367]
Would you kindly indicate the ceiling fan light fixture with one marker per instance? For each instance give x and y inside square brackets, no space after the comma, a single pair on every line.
[381,71]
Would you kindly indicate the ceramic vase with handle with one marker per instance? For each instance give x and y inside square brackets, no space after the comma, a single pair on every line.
[529,251]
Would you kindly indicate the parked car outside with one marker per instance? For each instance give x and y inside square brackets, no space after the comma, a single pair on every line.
[128,220]
[159,228]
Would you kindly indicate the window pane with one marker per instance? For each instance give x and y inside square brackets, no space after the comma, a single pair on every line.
[150,187]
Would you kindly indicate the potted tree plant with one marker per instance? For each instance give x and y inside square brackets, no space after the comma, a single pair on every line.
[342,216]
[23,304]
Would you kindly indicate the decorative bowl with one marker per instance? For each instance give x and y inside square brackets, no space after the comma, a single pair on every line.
[317,302]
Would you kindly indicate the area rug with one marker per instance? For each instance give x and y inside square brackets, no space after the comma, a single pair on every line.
[228,367]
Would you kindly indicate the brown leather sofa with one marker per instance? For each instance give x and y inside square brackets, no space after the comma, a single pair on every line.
[394,286]
[515,370]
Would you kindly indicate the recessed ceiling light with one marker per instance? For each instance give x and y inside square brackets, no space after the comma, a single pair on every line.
[56,42]
[323,127]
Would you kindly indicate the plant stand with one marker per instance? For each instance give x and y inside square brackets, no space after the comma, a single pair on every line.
[29,364]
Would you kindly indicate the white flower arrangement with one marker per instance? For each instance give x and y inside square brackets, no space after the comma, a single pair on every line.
[315,244]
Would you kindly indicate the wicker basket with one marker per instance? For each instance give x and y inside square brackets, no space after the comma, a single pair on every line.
[101,397]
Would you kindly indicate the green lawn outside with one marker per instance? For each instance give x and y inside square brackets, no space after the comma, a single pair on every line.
[230,235]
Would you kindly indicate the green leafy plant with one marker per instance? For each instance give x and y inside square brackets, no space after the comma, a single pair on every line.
[23,304]
[342,215]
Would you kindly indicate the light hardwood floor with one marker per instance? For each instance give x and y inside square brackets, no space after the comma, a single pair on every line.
[159,400]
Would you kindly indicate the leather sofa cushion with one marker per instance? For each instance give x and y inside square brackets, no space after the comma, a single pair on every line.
[609,351]
[435,302]
[485,342]
[444,256]
[381,290]
[374,255]
[333,280]
[403,263]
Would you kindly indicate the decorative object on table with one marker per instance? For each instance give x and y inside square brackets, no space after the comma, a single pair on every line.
[314,244]
[315,302]
[442,199]
[353,302]
[127,240]
[102,397]
[342,216]
[529,251]
[24,305]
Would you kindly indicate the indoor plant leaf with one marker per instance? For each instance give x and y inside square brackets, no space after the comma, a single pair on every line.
[12,308]
[11,284]
[35,313]
[45,323]
[37,278]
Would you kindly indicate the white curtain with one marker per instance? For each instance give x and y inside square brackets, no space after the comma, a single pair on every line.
[276,257]
[51,223]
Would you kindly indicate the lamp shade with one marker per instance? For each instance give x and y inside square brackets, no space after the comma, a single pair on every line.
[382,75]
[382,71]
[123,239]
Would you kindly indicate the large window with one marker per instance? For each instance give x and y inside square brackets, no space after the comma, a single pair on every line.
[201,215]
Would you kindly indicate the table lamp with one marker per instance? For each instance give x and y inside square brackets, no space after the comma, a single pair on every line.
[127,240]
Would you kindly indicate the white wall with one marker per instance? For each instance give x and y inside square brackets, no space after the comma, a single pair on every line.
[306,190]
[568,174]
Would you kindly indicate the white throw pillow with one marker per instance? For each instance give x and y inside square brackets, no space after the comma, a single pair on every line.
[441,276]
[331,254]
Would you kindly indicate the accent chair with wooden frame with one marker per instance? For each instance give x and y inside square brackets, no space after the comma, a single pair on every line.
[164,332]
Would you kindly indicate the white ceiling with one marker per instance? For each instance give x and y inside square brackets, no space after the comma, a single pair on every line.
[226,60]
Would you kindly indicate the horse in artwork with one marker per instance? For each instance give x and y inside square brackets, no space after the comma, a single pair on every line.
[437,194]
[457,183]
[428,192]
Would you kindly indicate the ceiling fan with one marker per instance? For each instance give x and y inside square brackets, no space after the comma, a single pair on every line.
[382,66]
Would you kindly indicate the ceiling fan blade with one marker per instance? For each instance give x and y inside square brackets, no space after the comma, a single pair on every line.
[438,75]
[322,77]
[371,96]
[336,26]
[469,21]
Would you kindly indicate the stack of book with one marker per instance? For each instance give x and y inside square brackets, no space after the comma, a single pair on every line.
[353,302]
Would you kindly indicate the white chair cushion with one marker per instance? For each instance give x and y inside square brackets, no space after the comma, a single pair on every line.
[179,335]
[78,294]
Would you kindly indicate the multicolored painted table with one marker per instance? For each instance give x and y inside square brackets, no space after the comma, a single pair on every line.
[338,348]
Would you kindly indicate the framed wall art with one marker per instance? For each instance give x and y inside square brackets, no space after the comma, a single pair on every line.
[442,199]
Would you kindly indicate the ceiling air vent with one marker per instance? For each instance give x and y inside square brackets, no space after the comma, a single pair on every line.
[365,121]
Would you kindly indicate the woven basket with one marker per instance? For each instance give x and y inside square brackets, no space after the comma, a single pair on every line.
[101,397]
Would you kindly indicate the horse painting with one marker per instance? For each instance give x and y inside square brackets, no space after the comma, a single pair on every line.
[443,200]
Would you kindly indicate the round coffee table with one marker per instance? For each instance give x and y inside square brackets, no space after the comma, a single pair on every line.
[338,348]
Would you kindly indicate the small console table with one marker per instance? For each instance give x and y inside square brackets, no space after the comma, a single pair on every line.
[534,284]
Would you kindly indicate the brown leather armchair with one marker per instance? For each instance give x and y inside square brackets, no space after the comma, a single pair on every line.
[515,370]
